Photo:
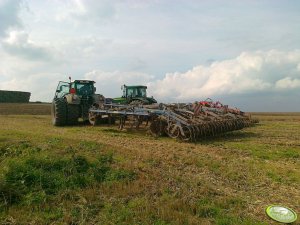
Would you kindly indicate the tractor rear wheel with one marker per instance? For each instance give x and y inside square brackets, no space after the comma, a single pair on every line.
[72,114]
[59,112]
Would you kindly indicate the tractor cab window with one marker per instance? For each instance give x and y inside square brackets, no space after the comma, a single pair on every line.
[84,89]
[131,92]
[136,92]
[62,89]
[142,92]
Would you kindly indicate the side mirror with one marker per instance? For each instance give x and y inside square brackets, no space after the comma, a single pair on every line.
[95,89]
[57,91]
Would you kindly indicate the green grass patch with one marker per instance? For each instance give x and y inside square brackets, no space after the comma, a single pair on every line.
[265,151]
[34,179]
[17,149]
[91,146]
[224,211]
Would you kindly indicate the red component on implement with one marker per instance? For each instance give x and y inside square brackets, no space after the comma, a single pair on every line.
[205,103]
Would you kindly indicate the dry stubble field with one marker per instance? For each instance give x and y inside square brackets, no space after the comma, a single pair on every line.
[99,175]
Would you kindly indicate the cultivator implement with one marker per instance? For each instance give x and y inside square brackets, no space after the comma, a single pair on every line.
[187,122]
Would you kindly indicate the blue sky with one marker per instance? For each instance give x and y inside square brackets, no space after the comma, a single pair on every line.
[244,53]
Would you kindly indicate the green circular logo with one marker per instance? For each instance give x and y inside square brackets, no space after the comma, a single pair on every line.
[281,214]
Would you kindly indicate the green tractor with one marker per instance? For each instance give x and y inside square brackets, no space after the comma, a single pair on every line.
[72,101]
[135,95]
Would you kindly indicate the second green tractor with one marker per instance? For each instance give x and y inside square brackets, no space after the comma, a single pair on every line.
[135,95]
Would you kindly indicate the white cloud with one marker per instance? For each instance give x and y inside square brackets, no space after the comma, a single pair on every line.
[288,83]
[86,11]
[251,72]
[17,37]
[9,15]
[18,44]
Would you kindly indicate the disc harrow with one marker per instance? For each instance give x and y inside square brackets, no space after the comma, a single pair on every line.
[186,122]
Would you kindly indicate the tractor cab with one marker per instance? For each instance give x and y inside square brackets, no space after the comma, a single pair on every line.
[83,87]
[136,94]
[134,91]
[78,87]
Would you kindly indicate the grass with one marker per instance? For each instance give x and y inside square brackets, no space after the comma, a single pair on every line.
[35,179]
[99,175]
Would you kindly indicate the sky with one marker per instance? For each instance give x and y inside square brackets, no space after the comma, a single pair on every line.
[242,53]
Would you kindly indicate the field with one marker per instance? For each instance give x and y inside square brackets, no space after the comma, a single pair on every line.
[25,109]
[100,175]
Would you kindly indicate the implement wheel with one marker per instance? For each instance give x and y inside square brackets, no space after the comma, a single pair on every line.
[173,130]
[59,112]
[186,133]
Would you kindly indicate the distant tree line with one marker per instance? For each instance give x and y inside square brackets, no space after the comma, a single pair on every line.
[14,96]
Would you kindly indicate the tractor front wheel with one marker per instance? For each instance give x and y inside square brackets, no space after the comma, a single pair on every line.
[59,112]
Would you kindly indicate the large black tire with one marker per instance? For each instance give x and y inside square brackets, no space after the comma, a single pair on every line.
[72,114]
[59,112]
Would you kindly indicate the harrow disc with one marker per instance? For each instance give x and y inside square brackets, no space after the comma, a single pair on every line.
[173,130]
[186,133]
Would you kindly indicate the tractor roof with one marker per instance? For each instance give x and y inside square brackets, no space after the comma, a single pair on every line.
[84,81]
[136,86]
